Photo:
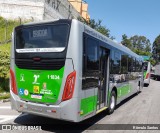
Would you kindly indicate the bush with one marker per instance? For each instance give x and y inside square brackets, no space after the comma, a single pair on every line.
[4,85]
[4,66]
[6,28]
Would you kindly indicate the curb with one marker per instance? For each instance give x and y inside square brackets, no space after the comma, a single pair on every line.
[5,100]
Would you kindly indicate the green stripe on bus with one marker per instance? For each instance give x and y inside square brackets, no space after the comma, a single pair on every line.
[145,73]
[88,105]
[124,90]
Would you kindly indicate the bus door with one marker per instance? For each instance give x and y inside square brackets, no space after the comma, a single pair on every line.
[103,78]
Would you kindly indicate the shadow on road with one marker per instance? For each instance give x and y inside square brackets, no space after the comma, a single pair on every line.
[53,125]
[126,100]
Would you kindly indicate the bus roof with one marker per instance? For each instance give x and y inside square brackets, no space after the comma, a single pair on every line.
[92,33]
[110,42]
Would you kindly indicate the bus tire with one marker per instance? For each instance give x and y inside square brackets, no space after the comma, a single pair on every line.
[146,85]
[138,89]
[112,103]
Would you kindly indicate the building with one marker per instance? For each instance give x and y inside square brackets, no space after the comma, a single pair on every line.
[81,7]
[37,9]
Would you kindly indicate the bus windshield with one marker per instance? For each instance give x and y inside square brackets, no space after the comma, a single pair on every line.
[38,38]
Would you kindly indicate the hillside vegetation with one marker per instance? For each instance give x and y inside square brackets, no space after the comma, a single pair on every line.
[4,66]
[6,28]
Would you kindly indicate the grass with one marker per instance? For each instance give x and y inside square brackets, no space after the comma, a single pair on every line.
[5,47]
[4,95]
[6,28]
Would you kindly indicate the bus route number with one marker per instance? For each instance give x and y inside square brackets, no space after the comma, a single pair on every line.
[56,77]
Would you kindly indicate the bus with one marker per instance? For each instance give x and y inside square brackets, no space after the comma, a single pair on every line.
[147,73]
[157,71]
[63,69]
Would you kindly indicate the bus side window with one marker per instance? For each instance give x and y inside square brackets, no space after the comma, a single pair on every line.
[92,54]
[116,65]
[90,63]
[129,64]
[133,65]
[124,64]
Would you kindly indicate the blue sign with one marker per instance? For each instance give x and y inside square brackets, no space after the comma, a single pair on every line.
[21,91]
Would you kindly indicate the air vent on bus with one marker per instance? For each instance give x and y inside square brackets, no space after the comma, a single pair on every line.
[43,64]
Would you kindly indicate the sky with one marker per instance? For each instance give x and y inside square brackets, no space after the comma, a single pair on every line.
[130,17]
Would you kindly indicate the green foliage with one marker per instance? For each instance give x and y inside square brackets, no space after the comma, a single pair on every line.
[138,44]
[4,60]
[141,43]
[126,42]
[97,26]
[6,28]
[156,49]
[4,66]
[153,62]
[4,85]
[4,96]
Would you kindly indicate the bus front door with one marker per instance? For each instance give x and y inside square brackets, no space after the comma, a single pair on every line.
[103,78]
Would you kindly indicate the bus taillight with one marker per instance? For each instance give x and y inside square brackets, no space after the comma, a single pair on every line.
[13,82]
[147,76]
[69,86]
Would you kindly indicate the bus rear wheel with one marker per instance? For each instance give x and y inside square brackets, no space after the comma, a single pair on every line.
[112,103]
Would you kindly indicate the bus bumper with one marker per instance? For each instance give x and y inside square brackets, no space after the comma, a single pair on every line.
[64,111]
[147,81]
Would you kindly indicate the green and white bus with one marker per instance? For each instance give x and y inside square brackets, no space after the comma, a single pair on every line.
[64,69]
[147,72]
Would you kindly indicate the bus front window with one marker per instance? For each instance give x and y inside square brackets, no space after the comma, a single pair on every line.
[46,38]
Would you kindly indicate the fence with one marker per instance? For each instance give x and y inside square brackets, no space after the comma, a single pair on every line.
[6,28]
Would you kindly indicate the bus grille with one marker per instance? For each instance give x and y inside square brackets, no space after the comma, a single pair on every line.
[44,64]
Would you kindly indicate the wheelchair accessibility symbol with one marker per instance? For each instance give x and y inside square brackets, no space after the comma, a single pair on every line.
[21,91]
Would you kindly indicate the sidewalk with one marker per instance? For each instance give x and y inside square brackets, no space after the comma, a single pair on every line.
[5,100]
[4,97]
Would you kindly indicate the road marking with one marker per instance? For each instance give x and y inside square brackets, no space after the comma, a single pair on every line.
[5,107]
[7,117]
[10,117]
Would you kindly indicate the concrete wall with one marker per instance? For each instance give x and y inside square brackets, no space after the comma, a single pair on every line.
[25,9]
[59,9]
[37,9]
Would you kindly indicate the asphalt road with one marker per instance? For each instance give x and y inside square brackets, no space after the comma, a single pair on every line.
[143,108]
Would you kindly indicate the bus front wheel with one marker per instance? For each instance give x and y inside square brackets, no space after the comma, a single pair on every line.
[112,103]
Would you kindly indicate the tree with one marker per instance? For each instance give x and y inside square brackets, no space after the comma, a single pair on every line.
[153,62]
[139,44]
[126,42]
[97,26]
[156,49]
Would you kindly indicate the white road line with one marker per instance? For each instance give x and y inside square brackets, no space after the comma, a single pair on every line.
[7,117]
[10,117]
[5,107]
